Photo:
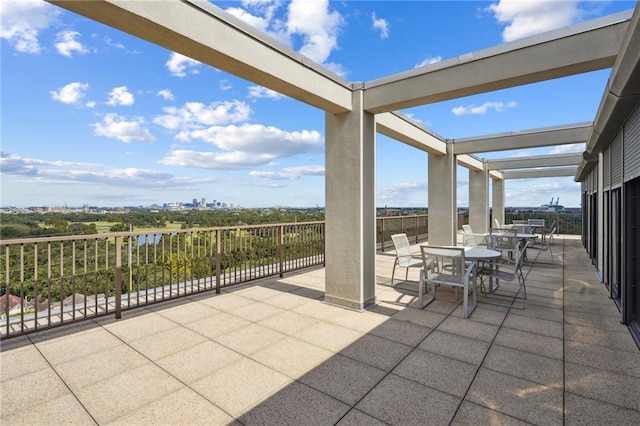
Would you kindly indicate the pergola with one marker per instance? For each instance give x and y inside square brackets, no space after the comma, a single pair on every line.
[355,111]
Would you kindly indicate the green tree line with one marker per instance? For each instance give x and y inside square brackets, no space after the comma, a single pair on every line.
[24,225]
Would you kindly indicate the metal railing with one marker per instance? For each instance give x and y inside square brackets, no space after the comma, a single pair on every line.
[53,281]
[49,282]
[415,226]
[567,223]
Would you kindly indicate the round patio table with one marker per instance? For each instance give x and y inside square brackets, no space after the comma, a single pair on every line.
[479,253]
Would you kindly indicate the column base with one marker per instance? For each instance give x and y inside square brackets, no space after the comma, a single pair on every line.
[349,304]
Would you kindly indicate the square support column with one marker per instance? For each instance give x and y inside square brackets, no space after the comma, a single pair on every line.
[479,199]
[443,209]
[350,233]
[497,210]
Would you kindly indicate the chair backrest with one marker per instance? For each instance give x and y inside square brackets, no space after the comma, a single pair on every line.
[548,239]
[443,264]
[553,226]
[467,229]
[504,240]
[403,248]
[519,222]
[497,223]
[474,240]
[536,222]
[523,228]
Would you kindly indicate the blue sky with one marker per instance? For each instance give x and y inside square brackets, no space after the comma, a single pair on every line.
[91,115]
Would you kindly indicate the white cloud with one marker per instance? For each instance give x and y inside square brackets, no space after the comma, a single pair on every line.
[309,24]
[401,194]
[120,96]
[71,94]
[482,109]
[118,127]
[262,17]
[64,172]
[22,20]
[257,22]
[196,115]
[259,139]
[66,43]
[318,27]
[381,25]
[225,85]
[249,145]
[576,148]
[528,17]
[429,60]
[214,160]
[165,94]
[290,173]
[178,65]
[263,92]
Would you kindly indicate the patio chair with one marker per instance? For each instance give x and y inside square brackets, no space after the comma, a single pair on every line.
[554,229]
[446,266]
[502,239]
[509,272]
[471,239]
[547,242]
[404,257]
[497,223]
[474,240]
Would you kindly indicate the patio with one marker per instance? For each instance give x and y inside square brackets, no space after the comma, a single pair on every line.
[271,352]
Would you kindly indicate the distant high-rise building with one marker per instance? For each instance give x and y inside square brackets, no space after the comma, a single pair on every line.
[194,202]
[203,202]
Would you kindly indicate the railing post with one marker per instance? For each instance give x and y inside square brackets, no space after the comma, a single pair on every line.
[417,231]
[118,283]
[281,238]
[383,241]
[218,260]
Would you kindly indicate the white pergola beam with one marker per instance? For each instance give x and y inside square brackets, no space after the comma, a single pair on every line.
[405,130]
[537,161]
[549,136]
[583,47]
[206,33]
[470,162]
[541,173]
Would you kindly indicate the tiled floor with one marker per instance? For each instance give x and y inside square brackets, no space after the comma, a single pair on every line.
[273,353]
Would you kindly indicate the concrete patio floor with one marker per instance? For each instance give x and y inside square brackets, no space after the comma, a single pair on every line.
[271,352]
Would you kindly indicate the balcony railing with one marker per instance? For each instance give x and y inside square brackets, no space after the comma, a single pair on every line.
[53,281]
[50,282]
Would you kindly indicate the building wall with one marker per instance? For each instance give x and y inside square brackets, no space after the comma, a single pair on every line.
[611,206]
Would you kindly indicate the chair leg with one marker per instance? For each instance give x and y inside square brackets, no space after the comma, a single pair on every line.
[465,301]
[393,272]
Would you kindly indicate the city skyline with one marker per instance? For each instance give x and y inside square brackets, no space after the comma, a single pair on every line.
[119,121]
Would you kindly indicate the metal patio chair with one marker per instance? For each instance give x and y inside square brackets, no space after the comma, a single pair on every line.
[404,257]
[446,266]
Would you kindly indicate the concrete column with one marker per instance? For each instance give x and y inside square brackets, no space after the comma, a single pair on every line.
[443,210]
[350,214]
[479,199]
[497,205]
